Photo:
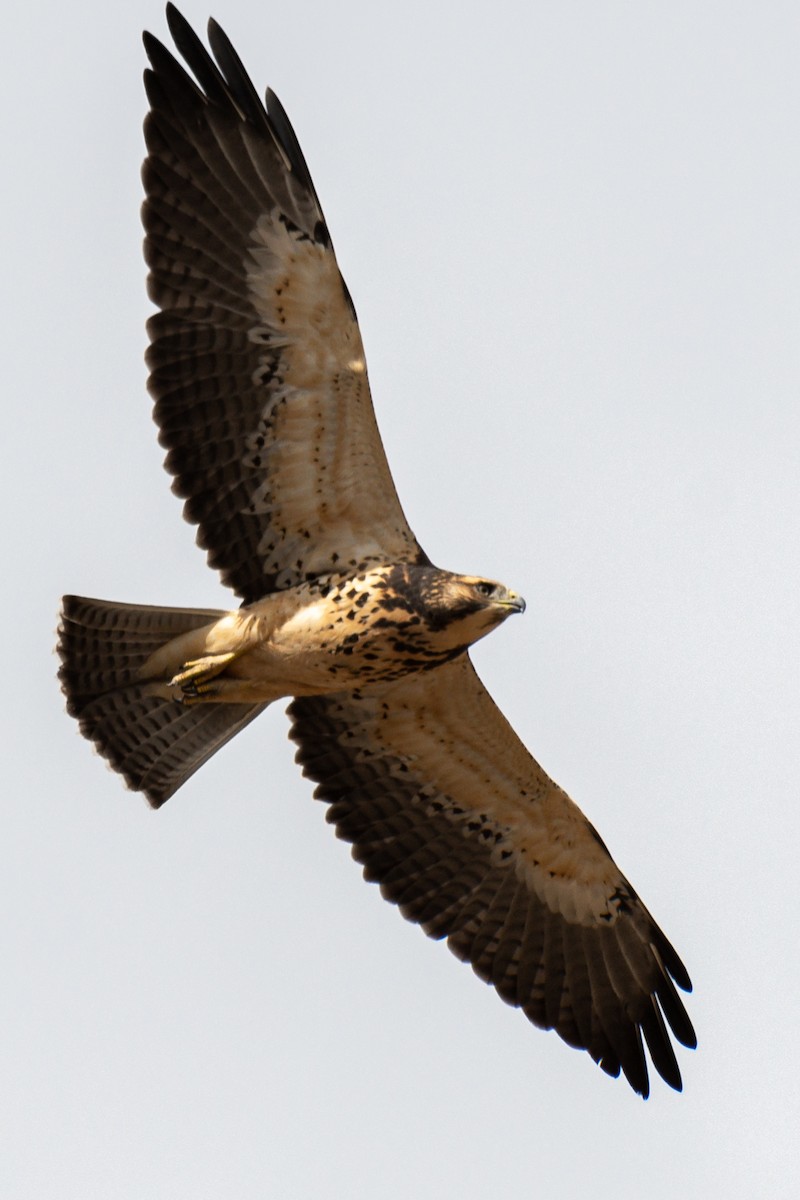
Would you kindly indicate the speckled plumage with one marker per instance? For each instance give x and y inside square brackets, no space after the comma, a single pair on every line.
[262,400]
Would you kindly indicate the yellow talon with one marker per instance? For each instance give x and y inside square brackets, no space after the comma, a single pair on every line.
[195,678]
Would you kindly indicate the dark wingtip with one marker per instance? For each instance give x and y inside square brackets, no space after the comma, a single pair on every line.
[288,139]
[238,81]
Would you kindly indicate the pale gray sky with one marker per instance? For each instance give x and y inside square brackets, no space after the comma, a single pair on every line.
[571,233]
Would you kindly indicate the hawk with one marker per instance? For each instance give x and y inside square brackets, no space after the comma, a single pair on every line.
[263,405]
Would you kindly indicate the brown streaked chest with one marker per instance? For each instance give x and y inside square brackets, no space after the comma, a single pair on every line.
[338,634]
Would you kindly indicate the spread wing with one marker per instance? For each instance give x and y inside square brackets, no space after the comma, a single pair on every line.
[257,367]
[465,832]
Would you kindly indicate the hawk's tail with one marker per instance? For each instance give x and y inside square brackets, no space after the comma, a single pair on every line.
[155,744]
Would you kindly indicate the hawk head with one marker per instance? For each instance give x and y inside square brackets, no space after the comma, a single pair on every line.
[465,607]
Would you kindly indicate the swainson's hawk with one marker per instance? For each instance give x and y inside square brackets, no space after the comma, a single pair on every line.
[263,405]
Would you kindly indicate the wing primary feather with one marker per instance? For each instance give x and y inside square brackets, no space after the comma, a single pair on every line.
[194,52]
[612,1016]
[287,137]
[239,84]
[605,1006]
[674,1011]
[642,969]
[659,1044]
[628,991]
[672,962]
[634,1062]
[168,76]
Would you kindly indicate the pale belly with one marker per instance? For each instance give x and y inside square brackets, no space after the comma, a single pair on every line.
[296,643]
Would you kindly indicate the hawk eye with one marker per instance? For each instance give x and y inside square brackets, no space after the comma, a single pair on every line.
[484,589]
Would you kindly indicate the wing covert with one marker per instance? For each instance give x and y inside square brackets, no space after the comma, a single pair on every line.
[466,833]
[257,367]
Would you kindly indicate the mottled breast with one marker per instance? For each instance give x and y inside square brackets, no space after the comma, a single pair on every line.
[378,625]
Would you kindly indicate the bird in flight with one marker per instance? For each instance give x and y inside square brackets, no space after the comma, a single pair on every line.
[262,400]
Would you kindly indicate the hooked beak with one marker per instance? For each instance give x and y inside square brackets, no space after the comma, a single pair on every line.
[513,601]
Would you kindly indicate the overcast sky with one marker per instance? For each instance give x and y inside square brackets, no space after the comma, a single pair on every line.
[571,234]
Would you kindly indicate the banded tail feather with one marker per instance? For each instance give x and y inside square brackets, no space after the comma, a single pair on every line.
[155,744]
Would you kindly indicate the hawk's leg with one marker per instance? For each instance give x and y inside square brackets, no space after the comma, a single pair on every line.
[195,680]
